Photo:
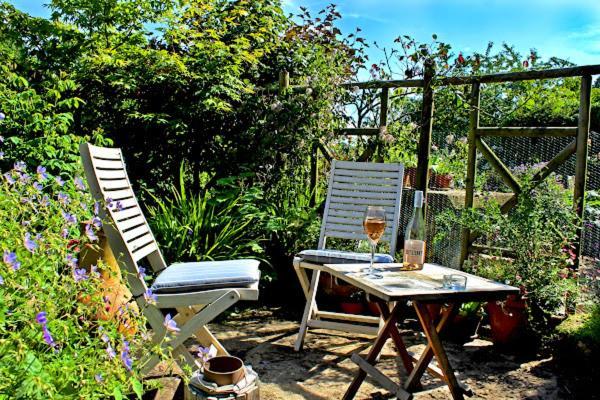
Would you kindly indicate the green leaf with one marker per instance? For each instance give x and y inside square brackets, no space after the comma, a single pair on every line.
[137,387]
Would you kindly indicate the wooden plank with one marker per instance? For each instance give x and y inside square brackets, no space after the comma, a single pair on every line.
[366,173]
[131,223]
[365,195]
[346,235]
[140,231]
[120,195]
[396,83]
[583,130]
[356,201]
[366,188]
[308,309]
[366,180]
[108,164]
[422,175]
[126,214]
[326,151]
[107,153]
[140,242]
[498,165]
[359,132]
[125,204]
[523,76]
[365,319]
[344,327]
[383,107]
[355,214]
[115,184]
[474,106]
[372,166]
[143,251]
[526,131]
[380,378]
[106,174]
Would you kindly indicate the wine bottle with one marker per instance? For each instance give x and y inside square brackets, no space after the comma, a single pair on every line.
[414,239]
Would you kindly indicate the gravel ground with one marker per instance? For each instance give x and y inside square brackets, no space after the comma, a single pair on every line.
[323,370]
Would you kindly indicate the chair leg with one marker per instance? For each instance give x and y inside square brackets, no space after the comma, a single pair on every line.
[203,336]
[308,309]
[207,314]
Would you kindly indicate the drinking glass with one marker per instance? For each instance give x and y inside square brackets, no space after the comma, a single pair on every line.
[374,226]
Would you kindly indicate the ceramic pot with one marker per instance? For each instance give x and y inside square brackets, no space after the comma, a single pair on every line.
[508,320]
[224,370]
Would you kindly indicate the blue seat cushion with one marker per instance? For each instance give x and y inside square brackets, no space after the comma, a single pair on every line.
[342,257]
[197,276]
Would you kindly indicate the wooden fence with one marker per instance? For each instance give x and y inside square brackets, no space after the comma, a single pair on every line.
[477,135]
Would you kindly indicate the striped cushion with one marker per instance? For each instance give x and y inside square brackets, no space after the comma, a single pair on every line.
[342,257]
[194,276]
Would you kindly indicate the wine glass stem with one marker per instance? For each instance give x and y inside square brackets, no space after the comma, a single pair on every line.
[373,245]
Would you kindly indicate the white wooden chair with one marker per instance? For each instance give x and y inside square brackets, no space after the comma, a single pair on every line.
[199,291]
[352,187]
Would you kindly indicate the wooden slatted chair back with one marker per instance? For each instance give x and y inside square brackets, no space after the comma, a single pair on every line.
[352,187]
[126,228]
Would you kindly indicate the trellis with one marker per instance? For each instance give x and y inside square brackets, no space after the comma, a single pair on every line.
[477,136]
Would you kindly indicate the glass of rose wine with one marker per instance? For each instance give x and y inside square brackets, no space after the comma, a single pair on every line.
[374,226]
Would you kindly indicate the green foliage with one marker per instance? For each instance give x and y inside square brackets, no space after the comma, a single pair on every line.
[220,223]
[538,232]
[583,327]
[63,355]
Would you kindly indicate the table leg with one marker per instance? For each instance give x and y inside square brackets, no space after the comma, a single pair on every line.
[438,349]
[390,324]
[308,309]
[397,338]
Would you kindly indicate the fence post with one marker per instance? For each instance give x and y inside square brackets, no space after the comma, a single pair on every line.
[471,164]
[313,175]
[583,129]
[422,175]
[284,80]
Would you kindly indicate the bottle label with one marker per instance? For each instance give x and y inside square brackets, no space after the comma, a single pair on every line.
[414,252]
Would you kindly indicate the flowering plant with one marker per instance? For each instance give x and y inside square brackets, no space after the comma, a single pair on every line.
[51,342]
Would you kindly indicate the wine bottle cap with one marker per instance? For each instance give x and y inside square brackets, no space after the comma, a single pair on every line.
[418,198]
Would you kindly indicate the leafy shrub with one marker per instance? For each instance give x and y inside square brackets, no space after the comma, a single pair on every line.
[538,232]
[215,224]
[51,343]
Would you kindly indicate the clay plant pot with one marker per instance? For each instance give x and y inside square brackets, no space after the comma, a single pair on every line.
[224,370]
[373,308]
[410,174]
[508,320]
[352,308]
[442,181]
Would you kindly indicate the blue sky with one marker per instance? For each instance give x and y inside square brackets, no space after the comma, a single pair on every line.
[565,28]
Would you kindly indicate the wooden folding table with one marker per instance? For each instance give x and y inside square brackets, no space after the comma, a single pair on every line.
[421,288]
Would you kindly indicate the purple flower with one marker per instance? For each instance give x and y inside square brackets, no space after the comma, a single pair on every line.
[48,337]
[1,155]
[99,378]
[29,243]
[97,222]
[79,183]
[41,173]
[1,139]
[94,271]
[1,280]
[59,180]
[105,338]
[24,178]
[45,201]
[10,259]
[111,352]
[96,208]
[69,218]
[71,260]
[170,324]
[65,233]
[20,166]
[142,272]
[127,361]
[38,186]
[80,274]
[89,232]
[9,178]
[2,116]
[63,198]
[40,318]
[150,297]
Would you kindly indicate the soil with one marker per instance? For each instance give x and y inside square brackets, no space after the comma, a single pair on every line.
[264,339]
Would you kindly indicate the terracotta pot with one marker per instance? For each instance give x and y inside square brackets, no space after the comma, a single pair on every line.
[352,308]
[434,310]
[442,181]
[373,308]
[224,370]
[410,174]
[508,320]
[112,288]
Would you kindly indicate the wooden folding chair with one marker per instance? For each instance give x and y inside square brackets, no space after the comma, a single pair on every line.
[352,187]
[198,291]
